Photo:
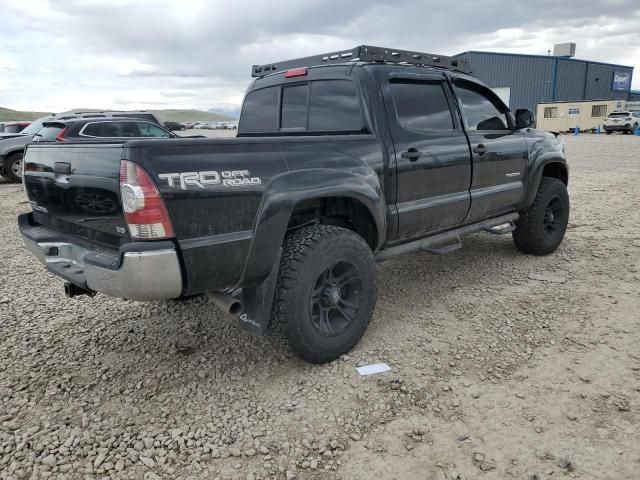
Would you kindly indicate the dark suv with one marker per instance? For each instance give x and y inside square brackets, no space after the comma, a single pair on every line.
[91,129]
[12,148]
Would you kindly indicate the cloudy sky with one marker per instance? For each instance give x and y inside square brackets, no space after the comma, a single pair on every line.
[198,53]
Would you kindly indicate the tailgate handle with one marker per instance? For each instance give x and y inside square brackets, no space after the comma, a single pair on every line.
[62,168]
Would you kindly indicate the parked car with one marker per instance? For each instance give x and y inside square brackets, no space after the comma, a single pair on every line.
[174,125]
[626,122]
[15,127]
[337,164]
[90,129]
[12,149]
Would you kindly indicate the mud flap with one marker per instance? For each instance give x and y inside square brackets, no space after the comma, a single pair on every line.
[258,301]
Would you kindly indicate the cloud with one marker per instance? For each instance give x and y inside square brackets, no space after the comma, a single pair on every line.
[108,53]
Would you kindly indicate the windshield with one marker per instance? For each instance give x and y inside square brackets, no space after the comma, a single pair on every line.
[619,114]
[35,126]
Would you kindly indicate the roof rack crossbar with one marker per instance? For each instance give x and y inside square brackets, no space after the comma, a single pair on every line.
[366,54]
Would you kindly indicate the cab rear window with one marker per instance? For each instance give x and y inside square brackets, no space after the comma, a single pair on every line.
[321,106]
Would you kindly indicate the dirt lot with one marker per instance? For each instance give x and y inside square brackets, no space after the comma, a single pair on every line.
[502,365]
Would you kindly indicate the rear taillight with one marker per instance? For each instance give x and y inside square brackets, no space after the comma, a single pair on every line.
[144,210]
[61,135]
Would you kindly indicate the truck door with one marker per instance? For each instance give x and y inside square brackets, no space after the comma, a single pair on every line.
[499,152]
[433,163]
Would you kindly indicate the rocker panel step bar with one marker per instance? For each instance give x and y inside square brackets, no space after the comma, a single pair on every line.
[446,242]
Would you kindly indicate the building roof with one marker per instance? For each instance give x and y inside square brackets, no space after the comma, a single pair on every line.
[543,56]
[583,101]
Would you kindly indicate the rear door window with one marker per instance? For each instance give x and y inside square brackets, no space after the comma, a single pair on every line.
[111,130]
[334,106]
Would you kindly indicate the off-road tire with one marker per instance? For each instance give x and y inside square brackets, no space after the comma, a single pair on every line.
[533,232]
[9,162]
[608,132]
[307,254]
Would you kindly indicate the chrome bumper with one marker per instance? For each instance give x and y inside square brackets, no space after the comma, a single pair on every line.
[146,275]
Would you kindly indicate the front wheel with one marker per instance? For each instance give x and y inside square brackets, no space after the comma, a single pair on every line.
[541,227]
[326,291]
[13,168]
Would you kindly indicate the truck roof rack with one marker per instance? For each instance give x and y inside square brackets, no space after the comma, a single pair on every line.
[366,54]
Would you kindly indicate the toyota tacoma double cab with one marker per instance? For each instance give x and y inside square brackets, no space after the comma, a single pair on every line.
[340,160]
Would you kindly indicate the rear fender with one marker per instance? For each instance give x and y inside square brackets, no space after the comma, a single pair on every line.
[287,190]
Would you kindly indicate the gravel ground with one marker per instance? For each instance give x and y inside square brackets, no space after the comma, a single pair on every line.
[502,365]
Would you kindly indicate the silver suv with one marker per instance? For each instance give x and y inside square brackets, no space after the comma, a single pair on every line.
[626,122]
[12,148]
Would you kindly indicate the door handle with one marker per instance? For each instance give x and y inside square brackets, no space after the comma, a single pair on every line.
[411,154]
[480,149]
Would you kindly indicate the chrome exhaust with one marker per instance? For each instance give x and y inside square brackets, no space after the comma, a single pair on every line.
[226,303]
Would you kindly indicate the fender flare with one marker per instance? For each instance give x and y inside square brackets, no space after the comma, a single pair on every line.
[287,190]
[535,175]
[14,151]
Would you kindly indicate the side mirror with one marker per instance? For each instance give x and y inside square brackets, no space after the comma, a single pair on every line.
[525,118]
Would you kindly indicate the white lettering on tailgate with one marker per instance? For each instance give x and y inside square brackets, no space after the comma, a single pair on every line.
[228,178]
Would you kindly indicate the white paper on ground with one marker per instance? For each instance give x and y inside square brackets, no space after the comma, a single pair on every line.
[375,368]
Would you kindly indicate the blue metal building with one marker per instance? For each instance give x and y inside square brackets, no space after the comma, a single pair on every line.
[532,79]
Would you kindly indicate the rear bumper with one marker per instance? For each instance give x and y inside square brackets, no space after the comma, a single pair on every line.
[615,128]
[143,271]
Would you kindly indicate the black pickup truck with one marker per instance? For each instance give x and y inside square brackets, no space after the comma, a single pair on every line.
[340,161]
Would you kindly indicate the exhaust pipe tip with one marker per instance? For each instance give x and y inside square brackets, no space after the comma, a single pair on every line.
[227,303]
[71,290]
[236,308]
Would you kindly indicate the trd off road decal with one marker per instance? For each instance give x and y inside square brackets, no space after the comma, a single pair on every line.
[226,178]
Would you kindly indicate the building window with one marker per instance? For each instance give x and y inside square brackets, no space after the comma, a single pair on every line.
[598,111]
[550,112]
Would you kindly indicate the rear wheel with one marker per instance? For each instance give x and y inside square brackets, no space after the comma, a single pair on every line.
[13,167]
[326,291]
[541,227]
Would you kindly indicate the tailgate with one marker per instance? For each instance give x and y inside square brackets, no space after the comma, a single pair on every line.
[75,189]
